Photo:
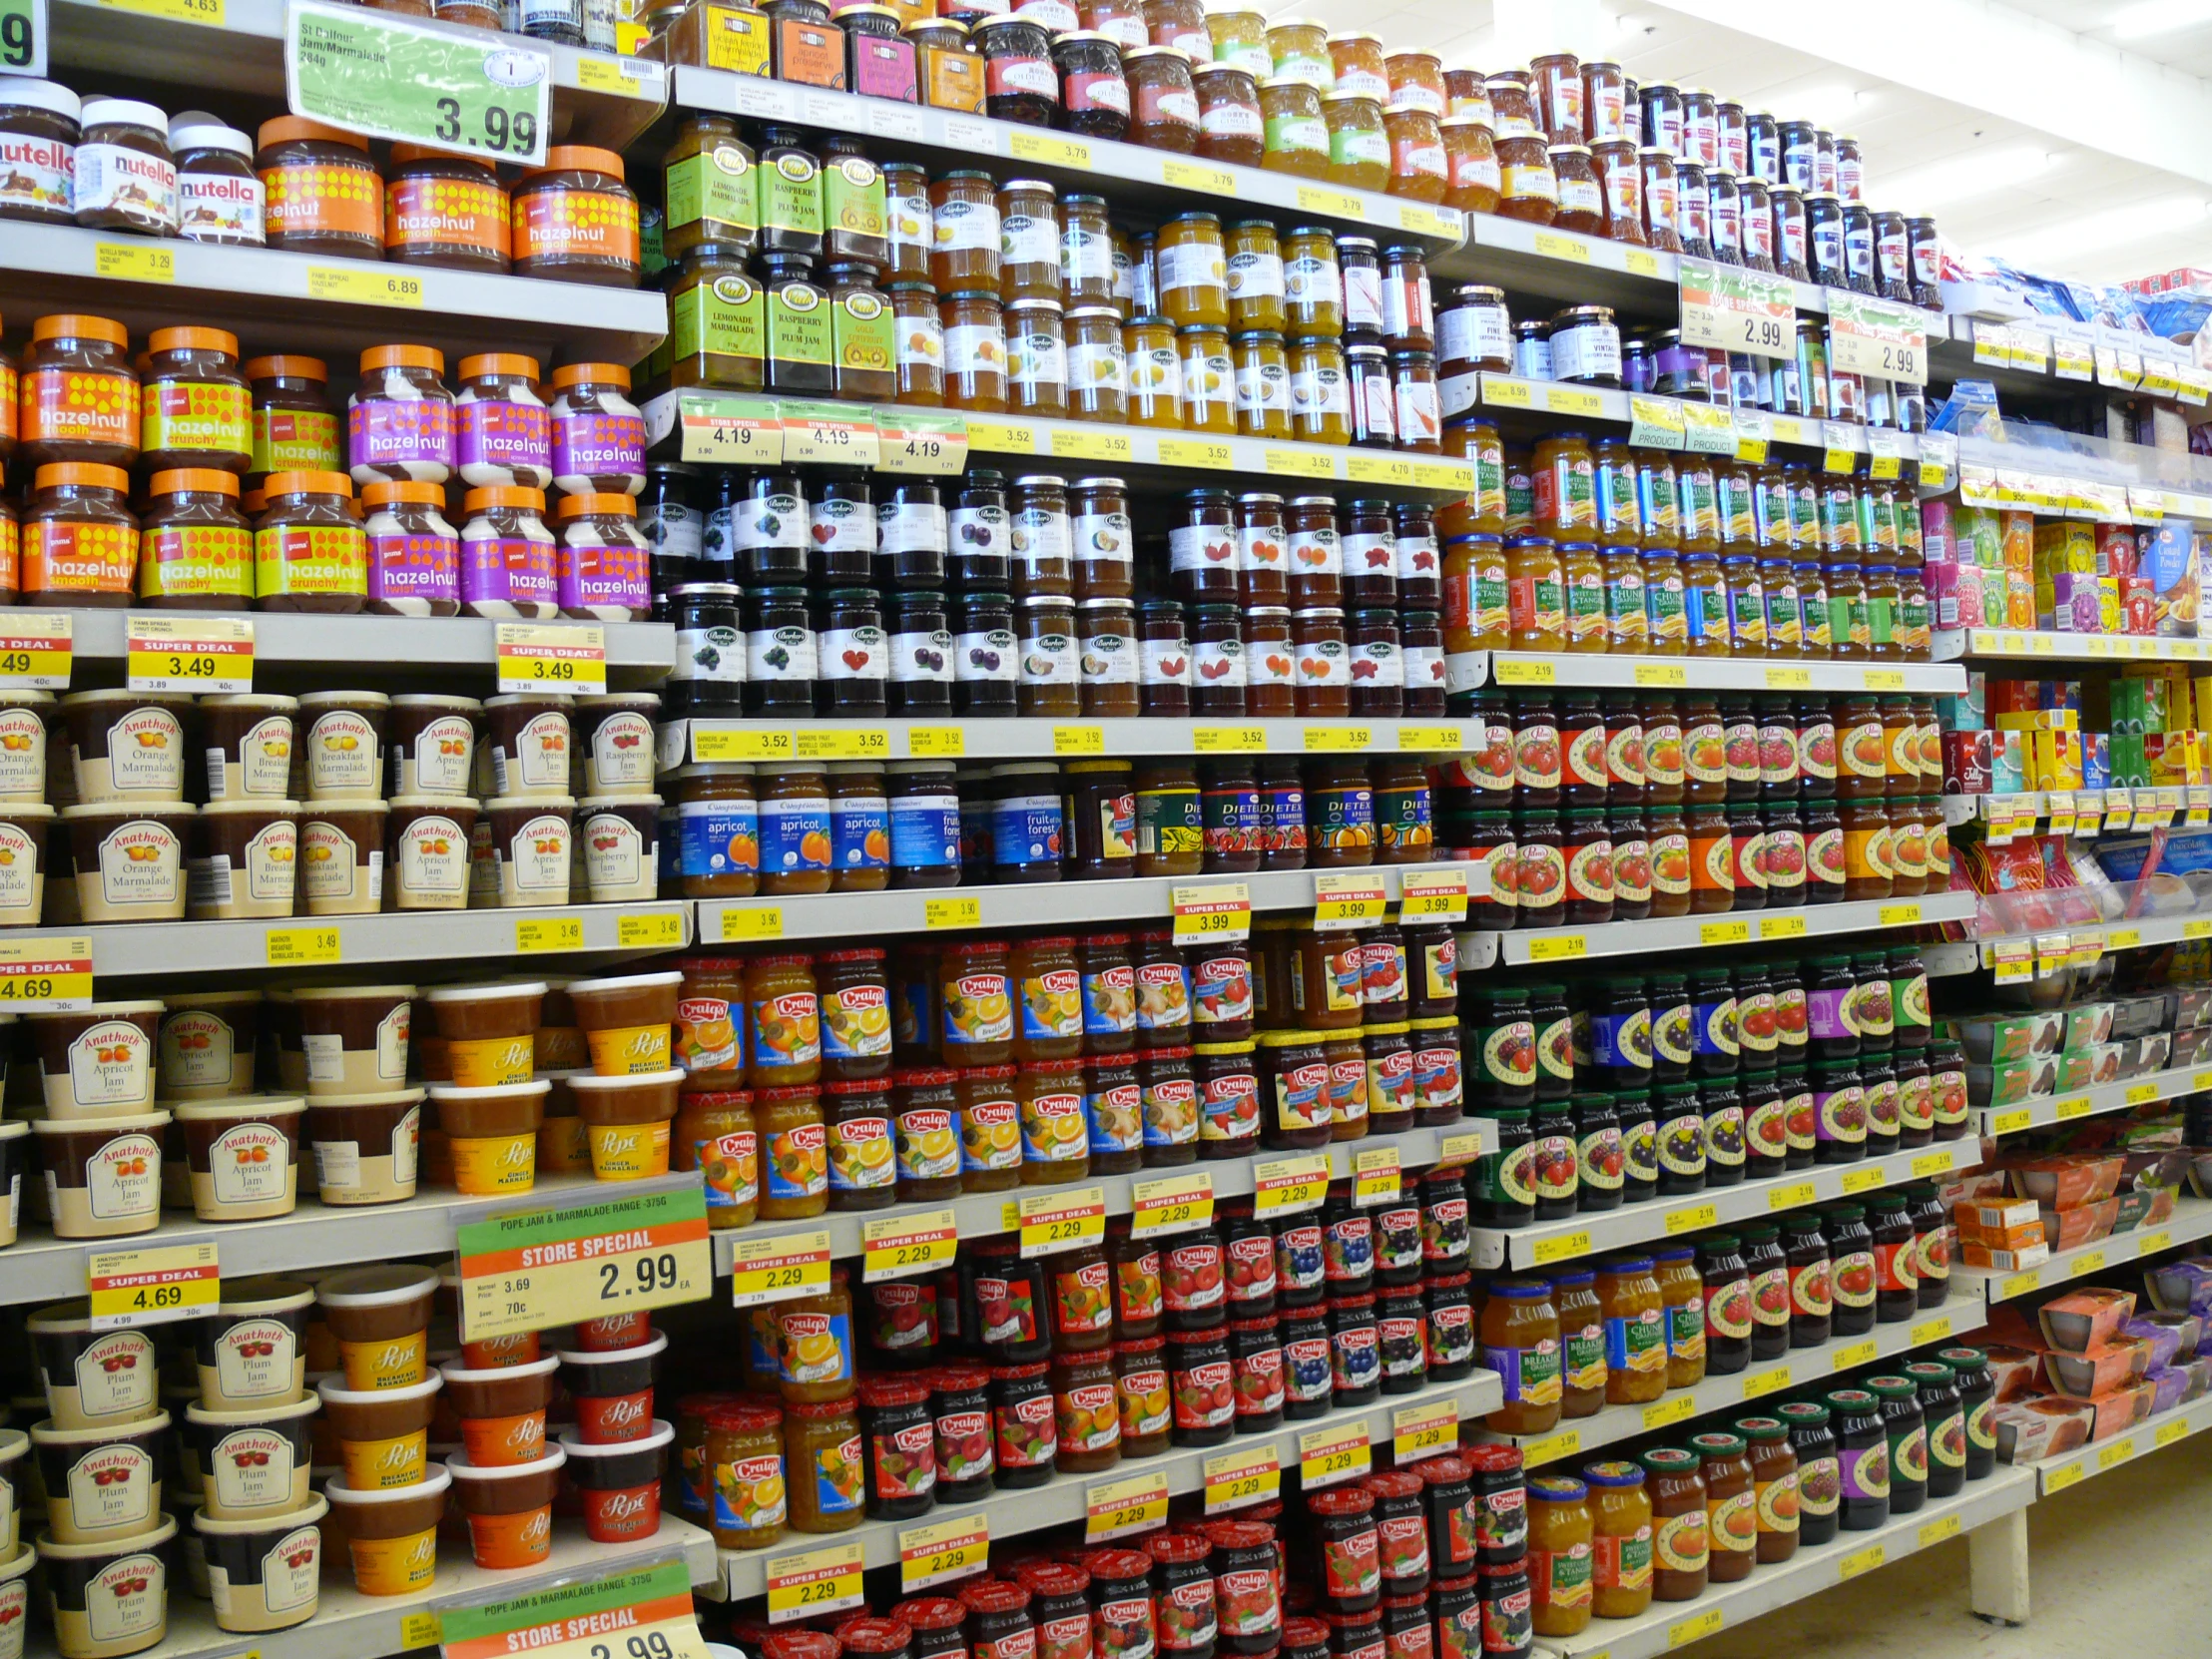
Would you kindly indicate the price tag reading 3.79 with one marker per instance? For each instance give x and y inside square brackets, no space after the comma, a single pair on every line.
[392,77]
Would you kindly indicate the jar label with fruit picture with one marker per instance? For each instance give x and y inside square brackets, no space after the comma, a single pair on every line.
[905,1462]
[990,1135]
[1230,1108]
[1352,1565]
[112,1486]
[1170,1112]
[964,1446]
[839,1484]
[1028,1437]
[813,1348]
[1052,1128]
[250,1163]
[1115,1116]
[799,1162]
[860,1154]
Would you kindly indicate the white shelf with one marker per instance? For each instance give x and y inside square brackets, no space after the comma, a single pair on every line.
[950,737]
[349,1625]
[982,1214]
[263,298]
[1154,181]
[1064,1498]
[1545,1242]
[468,939]
[2143,931]
[445,646]
[41,1269]
[1672,1624]
[1569,668]
[1803,1368]
[2107,1097]
[2191,1220]
[1545,945]
[2155,1434]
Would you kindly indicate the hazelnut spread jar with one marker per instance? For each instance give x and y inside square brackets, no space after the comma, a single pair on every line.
[575,221]
[196,549]
[40,121]
[294,428]
[446,209]
[79,542]
[399,422]
[126,176]
[195,408]
[414,553]
[324,194]
[78,395]
[309,551]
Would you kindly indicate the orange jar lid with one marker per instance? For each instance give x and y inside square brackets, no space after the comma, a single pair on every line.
[57,474]
[386,490]
[573,506]
[402,153]
[575,374]
[308,484]
[287,369]
[580,158]
[288,128]
[75,325]
[503,495]
[194,339]
[193,478]
[403,356]
[500,362]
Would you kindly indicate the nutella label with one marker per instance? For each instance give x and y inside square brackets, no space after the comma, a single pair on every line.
[615,852]
[534,860]
[19,874]
[123,1180]
[112,1486]
[250,1468]
[622,752]
[37,175]
[343,758]
[250,1163]
[116,1376]
[255,1358]
[328,860]
[434,863]
[141,188]
[220,207]
[146,754]
[442,755]
[198,1049]
[111,1065]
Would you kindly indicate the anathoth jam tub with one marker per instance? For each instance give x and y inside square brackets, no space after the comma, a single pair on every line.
[354,1037]
[93,1379]
[248,1464]
[251,1350]
[245,1155]
[103,1178]
[109,1599]
[264,1572]
[102,1483]
[365,1145]
[97,1061]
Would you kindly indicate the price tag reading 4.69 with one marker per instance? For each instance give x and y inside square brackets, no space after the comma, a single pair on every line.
[152,1284]
[207,654]
[51,973]
[644,1613]
[540,1268]
[393,78]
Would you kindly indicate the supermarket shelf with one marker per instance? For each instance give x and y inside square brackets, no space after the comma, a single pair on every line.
[1578,270]
[40,1269]
[2191,1220]
[955,736]
[1011,1513]
[1021,904]
[446,646]
[2055,1474]
[1583,404]
[2011,642]
[1147,457]
[1945,962]
[1545,1242]
[1672,1624]
[351,1625]
[1528,668]
[267,298]
[1804,1367]
[598,98]
[1807,922]
[982,1214]
[2023,355]
[2128,935]
[478,939]
[1152,183]
[2109,1097]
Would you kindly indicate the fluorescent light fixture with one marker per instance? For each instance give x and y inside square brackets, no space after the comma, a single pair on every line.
[2097,233]
[1970,175]
[1834,105]
[2158,17]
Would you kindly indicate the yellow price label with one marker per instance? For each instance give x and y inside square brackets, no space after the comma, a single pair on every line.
[421,1629]
[294,947]
[1196,452]
[898,1247]
[1885,679]
[2170,1433]
[1116,1508]
[716,745]
[1724,932]
[1439,894]
[1899,915]
[1066,1219]
[1552,1447]
[2011,1122]
[135,262]
[1375,1176]
[1234,1480]
[1458,1149]
[1088,443]
[1680,1409]
[1338,740]
[844,743]
[1931,1330]
[1570,401]
[1229,739]
[1559,1247]
[1863,1178]
[2058,1479]
[1936,1531]
[1553,246]
[1859,1561]
[1348,900]
[1782,927]
[2019,1285]
[1171,1204]
[1768,1381]
[1789,678]
[1302,463]
[943,1551]
[1791,1196]
[1427,222]
[1214,180]
[1211,912]
[1314,200]
[1662,674]
[743,924]
[1502,392]
[1686,1631]
[650,932]
[1557,947]
[1329,1455]
[168,654]
[1286,1184]
[1026,144]
[364,287]
[1638,262]
[2075,1106]
[37,653]
[1442,740]
[770,1270]
[1078,740]
[2120,1452]
[1690,1220]
[1003,435]
[152,1284]
[1524,670]
[1932,1163]
[1418,1429]
[818,1581]
[2084,1265]
[952,912]
[2142,1094]
[1855,1353]
[2150,1244]
[542,656]
[537,935]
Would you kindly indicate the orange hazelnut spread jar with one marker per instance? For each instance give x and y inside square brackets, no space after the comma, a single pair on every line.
[195,550]
[324,193]
[79,542]
[575,220]
[78,396]
[446,209]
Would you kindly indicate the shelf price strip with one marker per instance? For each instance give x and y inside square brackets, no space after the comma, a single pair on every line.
[538,1268]
[152,1284]
[1418,1431]
[1235,1480]
[565,657]
[1064,1220]
[1172,1204]
[818,1581]
[1117,1509]
[204,654]
[644,1613]
[50,971]
[774,1270]
[902,1245]
[1288,1184]
[36,654]
[1326,1457]
[943,1551]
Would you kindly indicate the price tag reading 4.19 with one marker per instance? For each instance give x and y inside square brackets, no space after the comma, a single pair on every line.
[644,1613]
[566,657]
[204,654]
[393,78]
[540,1268]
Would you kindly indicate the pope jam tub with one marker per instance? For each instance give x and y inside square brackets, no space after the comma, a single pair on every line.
[129,859]
[509,1507]
[264,1573]
[502,1410]
[109,1599]
[354,1037]
[93,1379]
[101,1483]
[248,1464]
[243,1155]
[431,740]
[564,1144]
[492,1134]
[380,1316]
[251,734]
[251,1350]
[344,742]
[619,1484]
[127,745]
[390,1536]
[25,828]
[97,1061]
[627,1120]
[560,1045]
[488,1030]
[365,1145]
[382,1434]
[612,1389]
[205,1044]
[626,1020]
[103,1179]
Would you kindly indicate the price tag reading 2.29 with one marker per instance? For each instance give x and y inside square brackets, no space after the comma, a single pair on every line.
[390,77]
[541,1267]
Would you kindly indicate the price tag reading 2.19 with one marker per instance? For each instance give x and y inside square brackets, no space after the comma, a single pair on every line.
[390,77]
[541,1267]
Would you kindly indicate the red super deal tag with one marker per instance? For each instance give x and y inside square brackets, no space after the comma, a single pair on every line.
[197,654]
[820,1581]
[564,657]
[1237,1479]
[1065,1219]
[1351,898]
[50,971]
[1213,912]
[36,650]
[943,1551]
[152,1284]
[773,1269]
[642,1613]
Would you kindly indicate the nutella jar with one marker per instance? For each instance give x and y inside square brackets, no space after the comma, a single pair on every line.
[414,553]
[324,193]
[78,397]
[509,567]
[400,422]
[501,434]
[294,428]
[309,551]
[79,542]
[195,408]
[220,198]
[40,121]
[598,433]
[126,176]
[196,549]
[601,565]
[446,209]
[575,221]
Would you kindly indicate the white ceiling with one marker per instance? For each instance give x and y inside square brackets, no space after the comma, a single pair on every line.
[1996,184]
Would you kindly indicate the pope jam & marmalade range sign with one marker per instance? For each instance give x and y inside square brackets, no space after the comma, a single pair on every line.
[542,1268]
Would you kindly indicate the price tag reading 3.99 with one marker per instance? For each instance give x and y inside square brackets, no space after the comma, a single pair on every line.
[392,77]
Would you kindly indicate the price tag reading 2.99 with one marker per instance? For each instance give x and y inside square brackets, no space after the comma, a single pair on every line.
[542,1268]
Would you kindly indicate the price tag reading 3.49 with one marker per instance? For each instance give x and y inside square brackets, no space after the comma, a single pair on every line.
[206,654]
[541,1267]
[392,77]
[566,657]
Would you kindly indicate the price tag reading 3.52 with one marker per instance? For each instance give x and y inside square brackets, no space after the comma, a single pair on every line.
[392,77]
[538,1268]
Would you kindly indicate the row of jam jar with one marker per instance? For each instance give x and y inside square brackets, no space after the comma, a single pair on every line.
[298,186]
[1591,748]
